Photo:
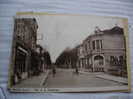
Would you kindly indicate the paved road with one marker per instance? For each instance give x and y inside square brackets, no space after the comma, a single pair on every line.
[65,78]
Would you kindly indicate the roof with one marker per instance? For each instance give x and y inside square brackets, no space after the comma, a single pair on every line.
[114,30]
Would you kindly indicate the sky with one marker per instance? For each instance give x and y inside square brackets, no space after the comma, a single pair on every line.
[58,32]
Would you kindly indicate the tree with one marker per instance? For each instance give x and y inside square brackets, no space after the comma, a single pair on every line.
[68,58]
[47,58]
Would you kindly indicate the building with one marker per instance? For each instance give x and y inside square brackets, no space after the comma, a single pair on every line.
[24,46]
[104,51]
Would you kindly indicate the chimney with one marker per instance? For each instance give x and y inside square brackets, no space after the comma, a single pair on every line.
[97,30]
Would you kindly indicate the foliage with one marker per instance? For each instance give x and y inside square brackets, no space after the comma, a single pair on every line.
[67,58]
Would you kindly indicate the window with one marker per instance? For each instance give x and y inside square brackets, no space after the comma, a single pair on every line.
[86,47]
[121,60]
[101,44]
[81,50]
[88,44]
[93,44]
[114,61]
[99,60]
[97,44]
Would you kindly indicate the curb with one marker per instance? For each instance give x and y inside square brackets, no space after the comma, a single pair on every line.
[97,76]
[45,78]
[112,80]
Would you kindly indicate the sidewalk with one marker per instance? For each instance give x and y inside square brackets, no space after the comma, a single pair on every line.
[107,76]
[113,78]
[43,81]
[35,81]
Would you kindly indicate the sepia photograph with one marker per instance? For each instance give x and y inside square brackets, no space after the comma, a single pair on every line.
[69,53]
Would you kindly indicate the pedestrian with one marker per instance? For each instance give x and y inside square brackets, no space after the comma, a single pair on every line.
[54,71]
[76,70]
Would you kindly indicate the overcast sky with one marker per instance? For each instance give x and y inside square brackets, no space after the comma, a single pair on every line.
[62,31]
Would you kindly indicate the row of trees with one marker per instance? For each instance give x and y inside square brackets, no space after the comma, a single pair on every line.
[47,59]
[68,58]
[41,60]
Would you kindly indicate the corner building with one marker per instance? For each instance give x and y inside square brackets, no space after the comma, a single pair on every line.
[104,51]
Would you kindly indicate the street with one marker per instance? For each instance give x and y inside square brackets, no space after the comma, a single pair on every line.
[66,78]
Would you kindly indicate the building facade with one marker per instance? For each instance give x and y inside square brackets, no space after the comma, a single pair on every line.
[104,51]
[24,46]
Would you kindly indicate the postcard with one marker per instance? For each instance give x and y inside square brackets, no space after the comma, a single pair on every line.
[69,53]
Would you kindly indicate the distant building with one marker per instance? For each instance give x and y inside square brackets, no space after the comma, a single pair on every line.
[104,51]
[24,46]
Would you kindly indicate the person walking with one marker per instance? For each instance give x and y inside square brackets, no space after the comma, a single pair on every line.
[54,71]
[77,71]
